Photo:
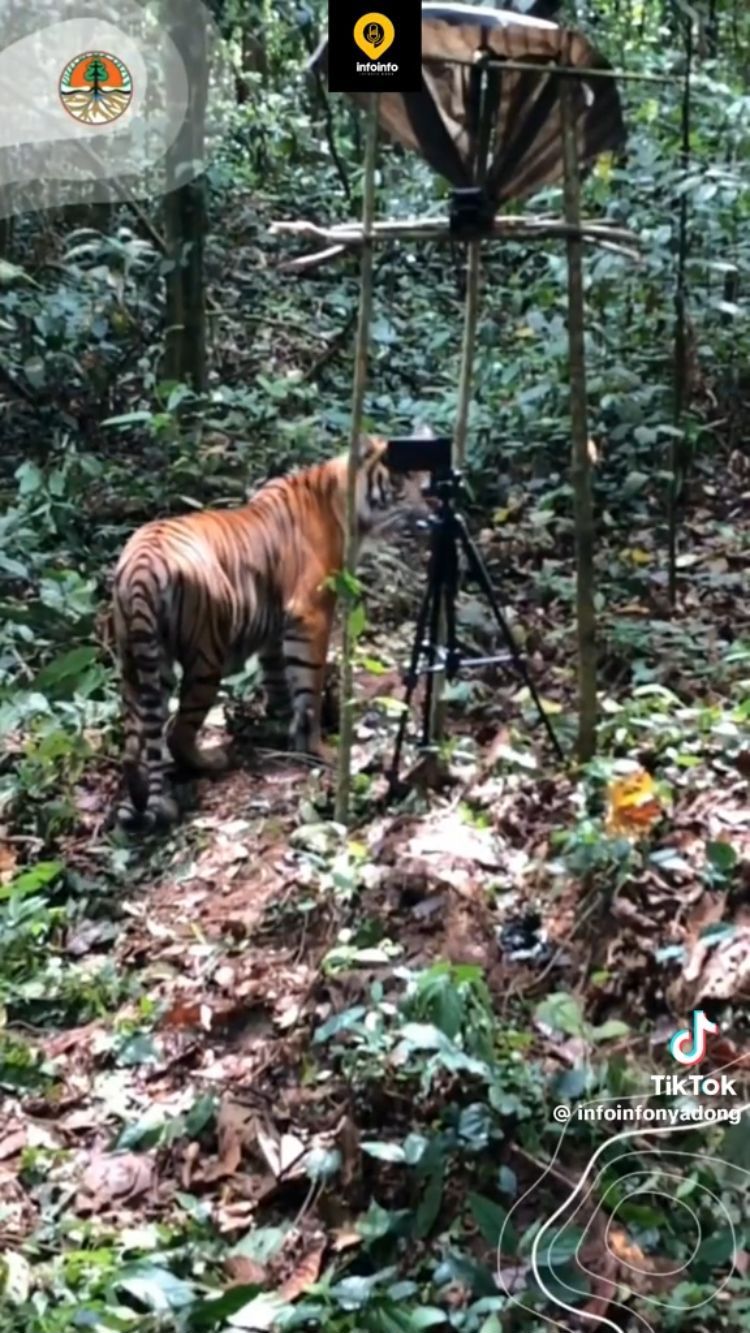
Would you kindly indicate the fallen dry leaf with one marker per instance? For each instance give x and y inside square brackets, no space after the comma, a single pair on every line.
[633,805]
[723,1055]
[8,863]
[243,1271]
[717,970]
[13,1144]
[121,1176]
[347,1141]
[625,1249]
[183,1016]
[80,1038]
[234,1128]
[305,1274]
[345,1239]
[450,837]
[232,1217]
[284,1155]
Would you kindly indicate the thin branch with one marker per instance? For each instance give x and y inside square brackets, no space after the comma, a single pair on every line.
[143,217]
[306,262]
[331,135]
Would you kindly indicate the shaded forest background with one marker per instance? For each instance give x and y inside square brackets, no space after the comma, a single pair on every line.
[269,1071]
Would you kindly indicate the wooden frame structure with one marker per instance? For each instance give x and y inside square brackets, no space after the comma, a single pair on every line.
[576,232]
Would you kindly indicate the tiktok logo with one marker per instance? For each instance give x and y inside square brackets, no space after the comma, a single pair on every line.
[688,1046]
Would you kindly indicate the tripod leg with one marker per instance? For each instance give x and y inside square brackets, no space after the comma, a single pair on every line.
[432,652]
[412,676]
[452,652]
[478,572]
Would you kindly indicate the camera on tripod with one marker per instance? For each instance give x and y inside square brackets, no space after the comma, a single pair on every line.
[420,453]
[437,648]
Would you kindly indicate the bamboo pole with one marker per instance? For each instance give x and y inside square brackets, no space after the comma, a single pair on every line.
[343,786]
[471,319]
[581,463]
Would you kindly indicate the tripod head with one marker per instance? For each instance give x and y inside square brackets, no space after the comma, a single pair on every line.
[430,454]
[446,486]
[419,453]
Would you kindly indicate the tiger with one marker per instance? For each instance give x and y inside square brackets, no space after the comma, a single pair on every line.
[210,589]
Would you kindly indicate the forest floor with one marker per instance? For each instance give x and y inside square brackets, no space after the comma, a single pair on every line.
[300,1041]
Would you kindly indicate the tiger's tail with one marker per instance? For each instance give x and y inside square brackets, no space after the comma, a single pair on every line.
[145,687]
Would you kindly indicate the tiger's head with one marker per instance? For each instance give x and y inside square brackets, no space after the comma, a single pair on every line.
[387,501]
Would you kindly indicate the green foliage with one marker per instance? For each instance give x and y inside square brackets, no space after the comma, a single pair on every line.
[38,983]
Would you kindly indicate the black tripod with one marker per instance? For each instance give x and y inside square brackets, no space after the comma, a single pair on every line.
[449,537]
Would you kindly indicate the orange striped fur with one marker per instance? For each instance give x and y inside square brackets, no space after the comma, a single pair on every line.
[210,589]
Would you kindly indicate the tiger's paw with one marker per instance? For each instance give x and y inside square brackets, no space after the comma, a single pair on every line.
[314,750]
[160,814]
[278,709]
[217,760]
[207,762]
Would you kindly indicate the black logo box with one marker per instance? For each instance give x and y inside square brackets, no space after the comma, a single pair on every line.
[405,52]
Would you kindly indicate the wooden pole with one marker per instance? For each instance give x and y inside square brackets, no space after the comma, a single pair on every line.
[343,787]
[581,463]
[471,319]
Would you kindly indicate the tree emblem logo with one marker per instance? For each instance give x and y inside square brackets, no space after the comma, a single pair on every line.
[96,88]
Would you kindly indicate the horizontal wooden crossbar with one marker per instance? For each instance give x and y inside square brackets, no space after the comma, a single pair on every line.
[341,237]
[551,67]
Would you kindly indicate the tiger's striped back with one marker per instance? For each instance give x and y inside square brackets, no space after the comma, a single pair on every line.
[209,589]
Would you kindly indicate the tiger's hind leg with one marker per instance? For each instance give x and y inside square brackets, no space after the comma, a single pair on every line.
[198,691]
[306,640]
[275,683]
[147,683]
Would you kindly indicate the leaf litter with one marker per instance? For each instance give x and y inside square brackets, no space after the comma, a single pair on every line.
[231,942]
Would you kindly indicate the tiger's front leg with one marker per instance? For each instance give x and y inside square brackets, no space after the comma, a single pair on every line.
[306,639]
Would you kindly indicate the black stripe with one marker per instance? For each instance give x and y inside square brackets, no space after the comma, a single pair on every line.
[303,662]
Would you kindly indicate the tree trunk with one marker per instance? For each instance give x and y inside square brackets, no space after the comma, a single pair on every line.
[185,214]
